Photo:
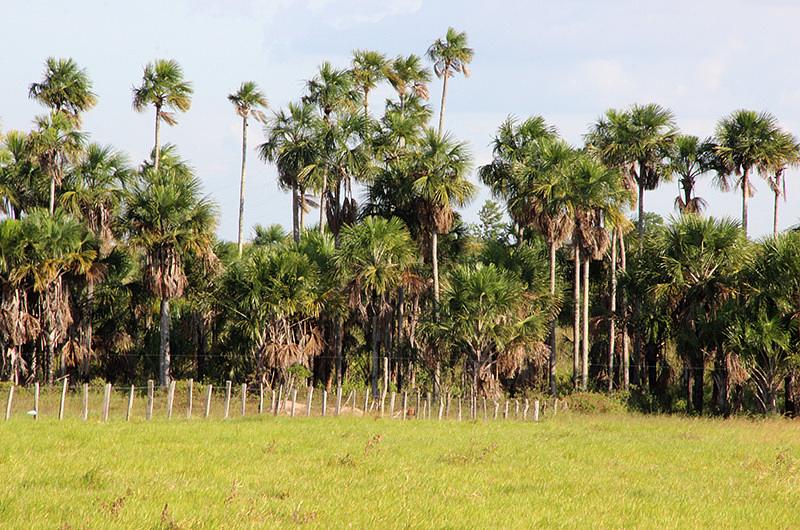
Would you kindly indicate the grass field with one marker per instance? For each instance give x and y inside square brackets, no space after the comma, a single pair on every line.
[569,471]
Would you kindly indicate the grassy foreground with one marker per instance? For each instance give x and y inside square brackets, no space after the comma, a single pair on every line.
[570,471]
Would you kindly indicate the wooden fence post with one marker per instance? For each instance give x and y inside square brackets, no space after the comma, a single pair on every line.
[535,410]
[525,410]
[170,398]
[209,391]
[244,398]
[63,398]
[516,408]
[309,400]
[10,402]
[505,411]
[227,399]
[191,399]
[405,404]
[555,406]
[150,391]
[36,400]
[272,404]
[129,413]
[417,410]
[278,403]
[459,409]
[294,400]
[496,409]
[260,398]
[85,401]
[441,407]
[338,399]
[324,402]
[106,401]
[391,405]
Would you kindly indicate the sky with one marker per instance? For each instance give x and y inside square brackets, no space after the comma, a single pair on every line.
[567,60]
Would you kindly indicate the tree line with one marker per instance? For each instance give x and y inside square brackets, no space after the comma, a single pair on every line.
[113,270]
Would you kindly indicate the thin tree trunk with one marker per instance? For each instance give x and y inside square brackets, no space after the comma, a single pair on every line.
[626,352]
[640,220]
[585,360]
[435,264]
[302,208]
[322,202]
[612,323]
[158,138]
[240,241]
[295,207]
[52,195]
[444,97]
[375,369]
[554,323]
[89,324]
[745,186]
[576,326]
[164,360]
[775,215]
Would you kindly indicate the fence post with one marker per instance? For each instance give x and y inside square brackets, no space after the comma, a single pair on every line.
[338,399]
[525,410]
[278,403]
[85,401]
[309,400]
[36,400]
[63,398]
[170,398]
[391,405]
[244,398]
[535,410]
[324,402]
[366,402]
[441,407]
[505,411]
[10,402]
[417,411]
[106,401]
[191,399]
[227,398]
[130,404]
[260,398]
[209,391]
[405,404]
[294,400]
[459,409]
[485,413]
[447,406]
[555,406]
[150,391]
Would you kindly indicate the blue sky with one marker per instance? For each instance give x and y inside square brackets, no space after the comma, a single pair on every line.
[567,60]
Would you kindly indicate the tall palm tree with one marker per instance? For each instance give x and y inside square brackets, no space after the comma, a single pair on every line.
[18,174]
[409,77]
[56,143]
[784,153]
[745,141]
[166,218]
[450,56]
[248,101]
[689,159]
[376,256]
[164,88]
[293,146]
[368,68]
[65,88]
[638,141]
[331,90]
[600,199]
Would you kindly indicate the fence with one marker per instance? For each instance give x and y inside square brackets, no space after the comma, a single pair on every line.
[135,403]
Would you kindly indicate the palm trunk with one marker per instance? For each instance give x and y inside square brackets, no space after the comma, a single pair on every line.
[553,324]
[158,138]
[576,325]
[241,186]
[626,352]
[163,351]
[745,186]
[322,202]
[375,368]
[640,220]
[775,215]
[301,208]
[89,324]
[295,208]
[585,359]
[612,323]
[52,194]
[435,265]
[444,98]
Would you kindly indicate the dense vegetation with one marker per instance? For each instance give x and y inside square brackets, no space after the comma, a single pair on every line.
[111,270]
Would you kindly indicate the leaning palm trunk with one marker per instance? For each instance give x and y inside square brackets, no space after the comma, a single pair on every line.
[164,357]
[612,321]
[241,186]
[553,353]
[576,331]
[585,356]
[444,98]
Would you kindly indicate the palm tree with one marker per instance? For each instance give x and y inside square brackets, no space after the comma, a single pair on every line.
[450,55]
[65,88]
[293,146]
[331,90]
[166,218]
[637,141]
[248,101]
[745,141]
[600,197]
[368,68]
[409,77]
[164,88]
[440,184]
[690,159]
[18,174]
[375,255]
[784,152]
[56,143]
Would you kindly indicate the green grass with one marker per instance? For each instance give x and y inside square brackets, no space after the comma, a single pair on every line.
[569,471]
